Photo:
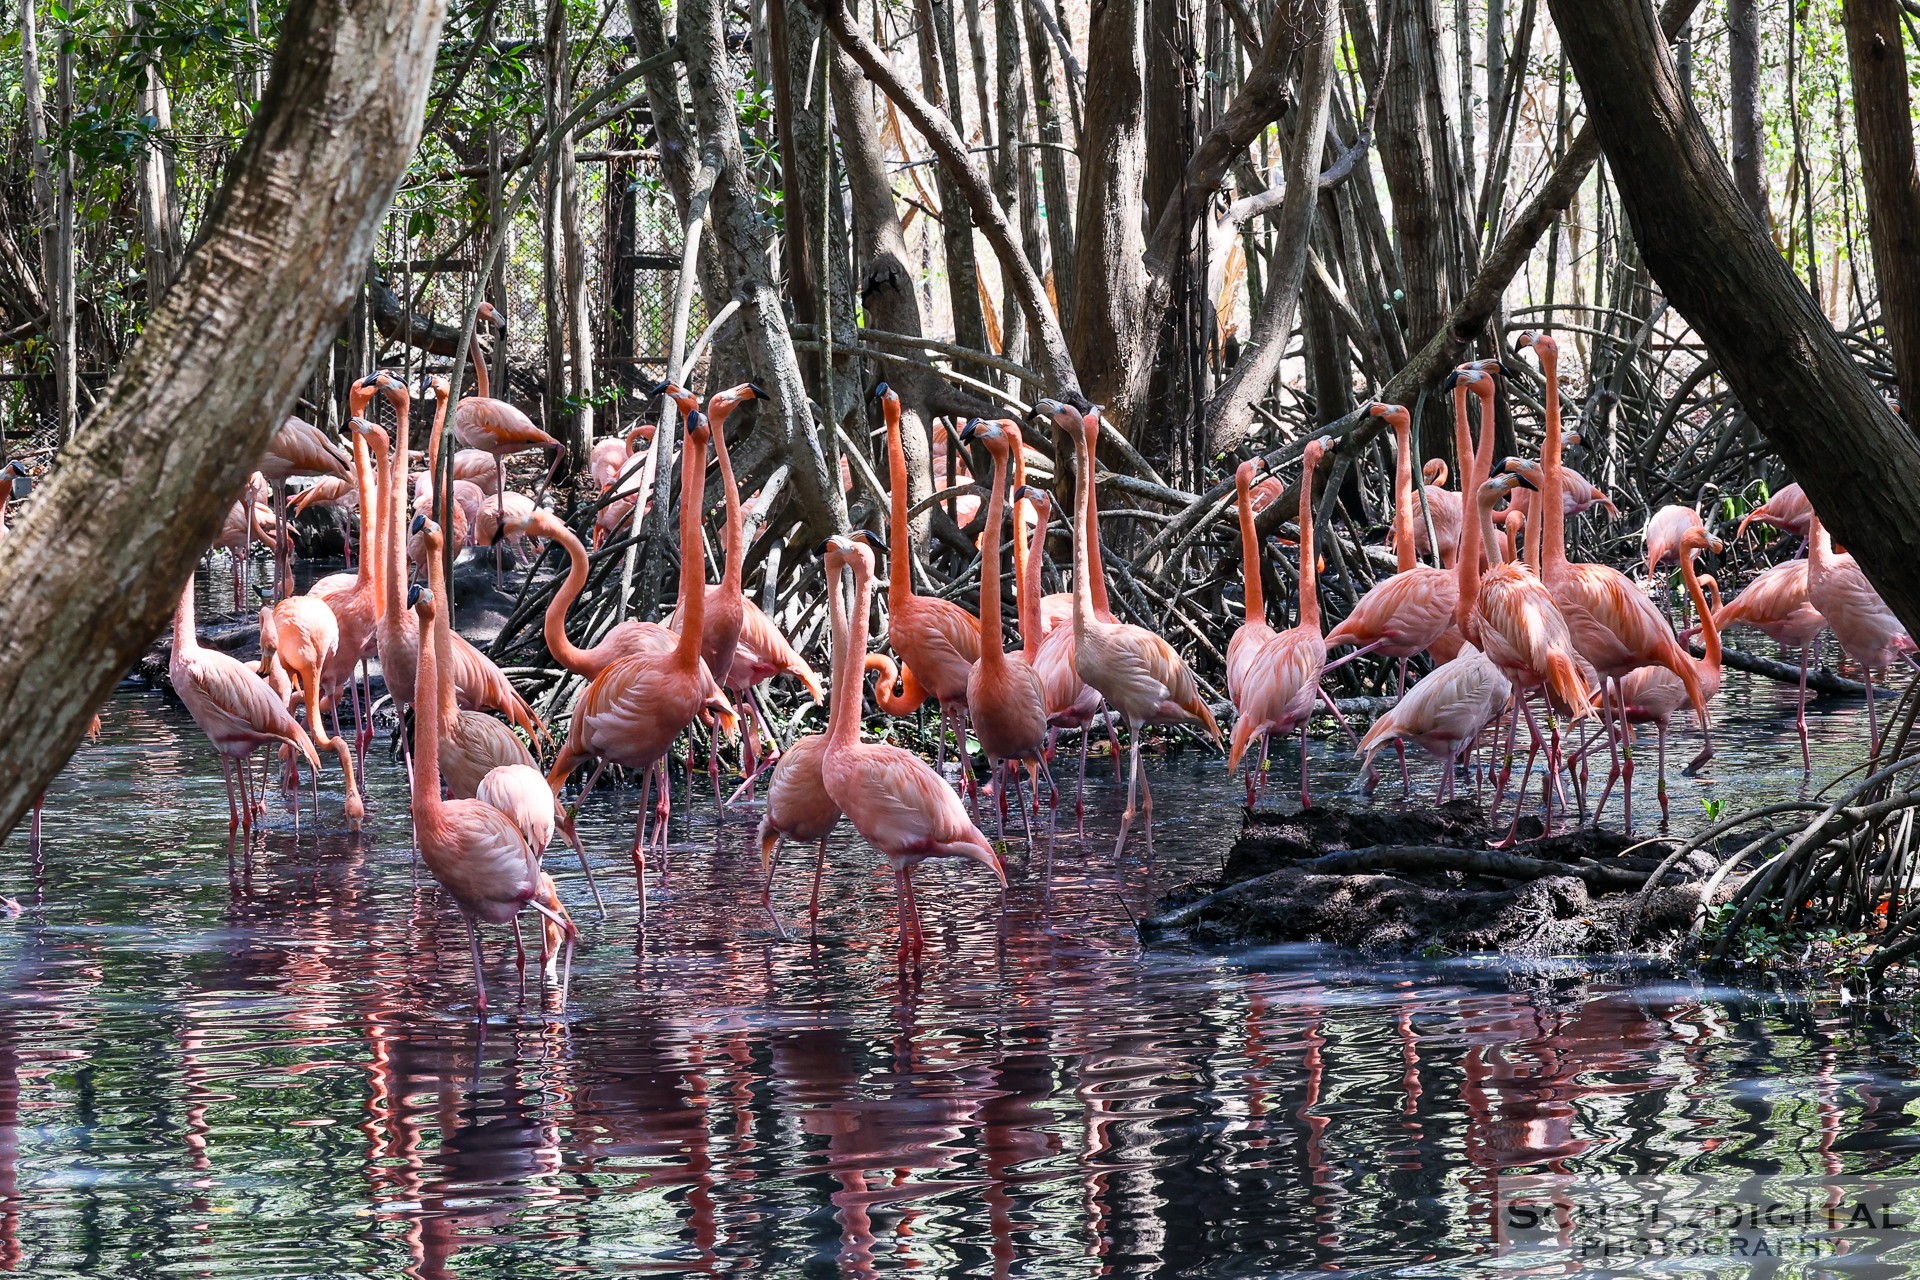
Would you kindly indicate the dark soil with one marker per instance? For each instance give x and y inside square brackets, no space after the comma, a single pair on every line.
[1266,894]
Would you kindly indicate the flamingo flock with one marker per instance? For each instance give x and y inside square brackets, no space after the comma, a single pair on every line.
[1519,638]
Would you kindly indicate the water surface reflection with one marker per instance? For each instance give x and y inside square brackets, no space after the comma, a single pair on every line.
[279,1073]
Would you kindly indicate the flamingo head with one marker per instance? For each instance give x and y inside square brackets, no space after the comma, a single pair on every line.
[361,394]
[1435,471]
[1064,416]
[699,428]
[493,317]
[394,389]
[1311,455]
[1499,486]
[1039,499]
[986,857]
[889,403]
[1544,344]
[1696,538]
[999,435]
[1395,414]
[1247,472]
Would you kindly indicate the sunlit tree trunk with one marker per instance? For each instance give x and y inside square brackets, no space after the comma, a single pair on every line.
[93,571]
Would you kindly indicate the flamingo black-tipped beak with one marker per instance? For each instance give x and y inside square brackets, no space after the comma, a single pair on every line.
[966,432]
[873,540]
[659,388]
[880,390]
[755,391]
[1524,482]
[1027,493]
[416,593]
[826,545]
[1451,381]
[420,524]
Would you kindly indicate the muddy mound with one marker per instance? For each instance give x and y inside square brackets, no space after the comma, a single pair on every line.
[1388,881]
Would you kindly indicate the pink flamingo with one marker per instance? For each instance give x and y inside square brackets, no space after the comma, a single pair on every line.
[1137,672]
[1005,701]
[1070,703]
[1280,680]
[1653,694]
[303,637]
[632,711]
[474,746]
[726,600]
[900,805]
[474,850]
[495,427]
[1615,627]
[938,641]
[1445,713]
[1666,529]
[232,705]
[1860,620]
[298,448]
[1407,614]
[1788,510]
[248,521]
[1776,603]
[477,679]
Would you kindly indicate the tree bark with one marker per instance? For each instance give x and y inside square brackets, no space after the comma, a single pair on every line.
[939,80]
[1052,358]
[1883,117]
[94,569]
[159,201]
[1053,164]
[575,369]
[741,239]
[1230,416]
[1743,92]
[1264,97]
[1109,278]
[1778,353]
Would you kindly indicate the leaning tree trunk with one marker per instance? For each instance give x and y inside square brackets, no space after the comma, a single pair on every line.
[1884,117]
[1778,353]
[95,568]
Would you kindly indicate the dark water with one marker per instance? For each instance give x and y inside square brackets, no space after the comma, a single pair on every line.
[282,1075]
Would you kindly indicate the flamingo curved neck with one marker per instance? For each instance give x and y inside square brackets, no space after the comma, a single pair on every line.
[1467,563]
[1403,557]
[843,717]
[900,562]
[1553,520]
[441,644]
[1102,606]
[363,488]
[443,502]
[693,576]
[554,625]
[393,538]
[1027,588]
[992,645]
[1255,590]
[426,735]
[1709,630]
[185,638]
[1309,578]
[735,570]
[482,383]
